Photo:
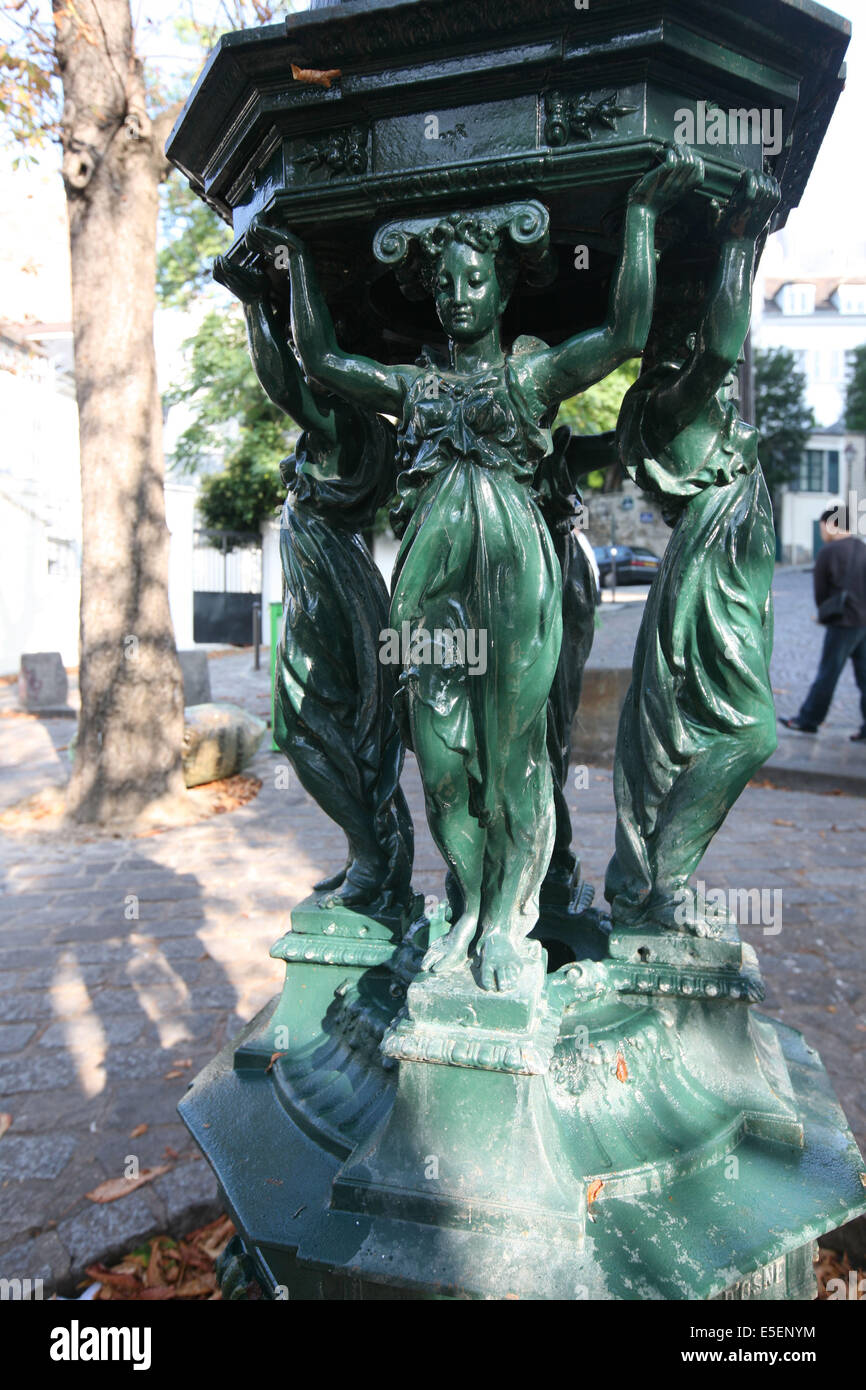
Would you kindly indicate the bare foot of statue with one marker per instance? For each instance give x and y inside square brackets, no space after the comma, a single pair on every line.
[451,951]
[359,885]
[708,926]
[327,885]
[501,961]
[690,914]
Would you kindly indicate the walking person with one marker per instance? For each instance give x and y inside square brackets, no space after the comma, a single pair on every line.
[840,597]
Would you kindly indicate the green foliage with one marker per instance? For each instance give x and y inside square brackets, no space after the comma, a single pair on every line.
[596,410]
[248,489]
[781,414]
[855,398]
[192,235]
[232,419]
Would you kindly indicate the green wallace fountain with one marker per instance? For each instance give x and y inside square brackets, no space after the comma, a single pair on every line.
[448,219]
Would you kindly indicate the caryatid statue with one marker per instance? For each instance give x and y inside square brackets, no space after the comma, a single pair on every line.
[476,559]
[334,698]
[699,719]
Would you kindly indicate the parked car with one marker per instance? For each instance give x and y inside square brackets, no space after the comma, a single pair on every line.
[634,564]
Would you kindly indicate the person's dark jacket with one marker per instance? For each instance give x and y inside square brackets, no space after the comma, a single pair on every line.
[842,565]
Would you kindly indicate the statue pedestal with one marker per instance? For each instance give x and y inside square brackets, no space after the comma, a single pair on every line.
[611,1130]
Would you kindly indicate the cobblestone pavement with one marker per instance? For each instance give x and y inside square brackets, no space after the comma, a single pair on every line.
[104,1015]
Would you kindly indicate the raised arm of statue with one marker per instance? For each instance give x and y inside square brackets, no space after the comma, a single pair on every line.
[725,320]
[358,378]
[559,372]
[276,366]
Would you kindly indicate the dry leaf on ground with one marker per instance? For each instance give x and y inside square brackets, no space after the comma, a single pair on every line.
[164,1268]
[830,1265]
[114,1188]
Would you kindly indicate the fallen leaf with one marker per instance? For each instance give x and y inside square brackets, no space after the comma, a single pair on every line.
[621,1068]
[114,1188]
[172,1075]
[182,1062]
[192,1257]
[154,1275]
[593,1191]
[319,77]
[170,1152]
[783,822]
[5,1123]
[274,1056]
[138,1131]
[112,1278]
[194,1288]
[831,1008]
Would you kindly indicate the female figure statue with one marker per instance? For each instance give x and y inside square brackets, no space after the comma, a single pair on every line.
[476,560]
[698,720]
[557,484]
[333,710]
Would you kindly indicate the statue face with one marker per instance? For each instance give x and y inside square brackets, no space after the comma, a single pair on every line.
[468,297]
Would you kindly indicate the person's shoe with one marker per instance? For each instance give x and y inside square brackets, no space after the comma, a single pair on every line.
[860,737]
[798,726]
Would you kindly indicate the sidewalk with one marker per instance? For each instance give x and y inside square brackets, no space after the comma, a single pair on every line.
[103,1019]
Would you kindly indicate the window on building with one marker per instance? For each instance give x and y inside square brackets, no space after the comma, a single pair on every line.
[852,299]
[798,299]
[62,558]
[819,472]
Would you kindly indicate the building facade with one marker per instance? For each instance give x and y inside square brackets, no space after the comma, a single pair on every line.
[821,320]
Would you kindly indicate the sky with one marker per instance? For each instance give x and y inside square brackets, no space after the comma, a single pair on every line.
[826,234]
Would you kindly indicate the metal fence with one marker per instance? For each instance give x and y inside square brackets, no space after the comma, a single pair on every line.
[227,585]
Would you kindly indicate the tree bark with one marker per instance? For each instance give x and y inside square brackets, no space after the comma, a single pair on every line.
[130,732]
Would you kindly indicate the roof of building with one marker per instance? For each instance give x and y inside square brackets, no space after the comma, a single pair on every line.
[825,287]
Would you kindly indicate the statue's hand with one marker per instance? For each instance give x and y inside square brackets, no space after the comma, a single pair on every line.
[246,283]
[681,170]
[276,244]
[750,207]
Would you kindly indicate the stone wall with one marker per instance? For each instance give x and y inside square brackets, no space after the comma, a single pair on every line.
[625,518]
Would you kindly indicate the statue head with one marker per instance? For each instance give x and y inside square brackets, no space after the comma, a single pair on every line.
[469,261]
[470,269]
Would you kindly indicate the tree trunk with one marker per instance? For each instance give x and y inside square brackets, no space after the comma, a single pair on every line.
[130,731]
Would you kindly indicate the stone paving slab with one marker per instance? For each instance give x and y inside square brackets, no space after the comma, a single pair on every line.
[106,1015]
